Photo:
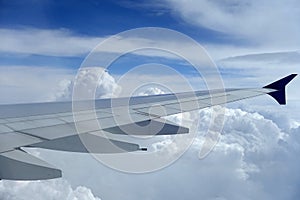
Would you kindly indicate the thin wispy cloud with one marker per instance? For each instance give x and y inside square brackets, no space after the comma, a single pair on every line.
[259,23]
[45,42]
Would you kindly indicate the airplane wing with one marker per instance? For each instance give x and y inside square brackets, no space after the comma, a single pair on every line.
[52,125]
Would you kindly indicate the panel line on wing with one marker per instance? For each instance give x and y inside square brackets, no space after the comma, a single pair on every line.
[32,135]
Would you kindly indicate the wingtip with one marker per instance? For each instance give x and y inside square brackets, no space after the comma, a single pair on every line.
[281,83]
[279,86]
[294,75]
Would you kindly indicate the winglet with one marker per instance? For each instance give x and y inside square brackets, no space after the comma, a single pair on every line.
[279,85]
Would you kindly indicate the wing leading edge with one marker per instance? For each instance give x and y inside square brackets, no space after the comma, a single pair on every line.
[51,125]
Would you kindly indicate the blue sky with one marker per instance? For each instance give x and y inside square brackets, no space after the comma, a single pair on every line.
[94,18]
[225,29]
[91,19]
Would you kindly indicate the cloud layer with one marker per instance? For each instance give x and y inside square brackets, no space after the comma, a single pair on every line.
[256,153]
[47,190]
[45,42]
[256,158]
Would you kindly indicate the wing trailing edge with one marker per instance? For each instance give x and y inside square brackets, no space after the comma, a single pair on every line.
[19,165]
[149,127]
[279,86]
[96,144]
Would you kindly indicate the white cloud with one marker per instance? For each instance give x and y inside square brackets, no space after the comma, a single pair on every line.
[58,189]
[253,61]
[86,79]
[256,158]
[260,69]
[151,91]
[273,23]
[256,146]
[63,43]
[20,84]
[46,42]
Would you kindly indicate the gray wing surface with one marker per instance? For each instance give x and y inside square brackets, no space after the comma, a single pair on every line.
[52,125]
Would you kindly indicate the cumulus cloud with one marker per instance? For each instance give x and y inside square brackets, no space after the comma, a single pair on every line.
[256,158]
[256,153]
[86,80]
[151,91]
[253,157]
[253,147]
[53,190]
